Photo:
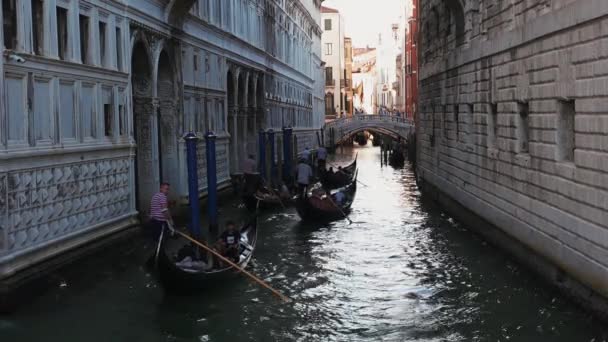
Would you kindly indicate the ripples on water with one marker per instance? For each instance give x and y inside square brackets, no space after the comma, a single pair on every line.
[402,271]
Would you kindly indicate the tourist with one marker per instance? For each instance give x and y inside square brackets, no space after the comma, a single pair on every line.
[251,176]
[339,198]
[249,165]
[321,157]
[305,154]
[304,175]
[159,212]
[228,243]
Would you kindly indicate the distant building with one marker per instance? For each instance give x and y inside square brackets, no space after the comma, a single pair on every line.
[411,64]
[332,39]
[364,80]
[347,84]
[386,84]
[400,85]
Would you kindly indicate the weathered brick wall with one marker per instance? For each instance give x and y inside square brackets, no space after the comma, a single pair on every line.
[514,122]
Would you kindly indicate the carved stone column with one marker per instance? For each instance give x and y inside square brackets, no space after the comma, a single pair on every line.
[24,26]
[243,138]
[233,130]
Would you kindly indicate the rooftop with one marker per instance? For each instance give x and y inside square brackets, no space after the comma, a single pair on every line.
[328,10]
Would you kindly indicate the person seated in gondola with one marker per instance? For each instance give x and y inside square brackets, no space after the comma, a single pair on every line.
[329,175]
[228,243]
[341,176]
[339,198]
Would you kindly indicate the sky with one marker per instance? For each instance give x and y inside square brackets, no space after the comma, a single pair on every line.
[365,19]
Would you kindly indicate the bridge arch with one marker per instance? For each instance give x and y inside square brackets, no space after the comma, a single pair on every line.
[345,128]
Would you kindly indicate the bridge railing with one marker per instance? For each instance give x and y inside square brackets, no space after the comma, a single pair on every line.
[370,117]
[339,129]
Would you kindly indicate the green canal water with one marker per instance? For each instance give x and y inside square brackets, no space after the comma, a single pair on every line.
[402,271]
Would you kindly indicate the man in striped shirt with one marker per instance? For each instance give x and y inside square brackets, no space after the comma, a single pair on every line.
[159,211]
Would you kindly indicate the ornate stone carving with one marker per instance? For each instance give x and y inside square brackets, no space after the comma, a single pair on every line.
[3,209]
[46,203]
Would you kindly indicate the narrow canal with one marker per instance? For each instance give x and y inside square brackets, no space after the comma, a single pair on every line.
[402,271]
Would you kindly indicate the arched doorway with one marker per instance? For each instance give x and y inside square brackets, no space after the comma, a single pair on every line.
[147,175]
[261,112]
[241,119]
[231,98]
[167,122]
[251,146]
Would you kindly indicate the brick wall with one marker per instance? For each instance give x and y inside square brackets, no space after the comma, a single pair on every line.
[514,122]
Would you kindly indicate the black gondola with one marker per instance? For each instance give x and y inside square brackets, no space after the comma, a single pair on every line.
[324,208]
[340,178]
[397,159]
[265,198]
[184,277]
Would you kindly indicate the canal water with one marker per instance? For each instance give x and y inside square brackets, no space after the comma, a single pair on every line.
[402,271]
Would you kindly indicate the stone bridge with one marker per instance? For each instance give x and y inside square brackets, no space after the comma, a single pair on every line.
[339,130]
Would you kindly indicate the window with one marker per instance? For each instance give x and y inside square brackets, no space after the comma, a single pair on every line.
[329,104]
[122,122]
[118,49]
[457,121]
[108,112]
[329,48]
[87,110]
[102,43]
[434,126]
[470,124]
[523,127]
[62,32]
[195,62]
[43,114]
[444,123]
[9,20]
[327,24]
[565,131]
[37,18]
[84,39]
[66,109]
[492,125]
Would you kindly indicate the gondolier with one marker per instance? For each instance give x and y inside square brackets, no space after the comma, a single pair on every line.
[304,176]
[159,211]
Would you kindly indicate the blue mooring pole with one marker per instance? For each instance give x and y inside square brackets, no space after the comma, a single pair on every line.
[262,153]
[195,216]
[287,155]
[273,165]
[211,182]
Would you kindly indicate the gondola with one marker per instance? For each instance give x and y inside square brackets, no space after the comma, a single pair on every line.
[396,159]
[265,198]
[323,208]
[341,178]
[182,277]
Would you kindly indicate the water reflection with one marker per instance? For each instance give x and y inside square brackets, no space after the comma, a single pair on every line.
[402,271]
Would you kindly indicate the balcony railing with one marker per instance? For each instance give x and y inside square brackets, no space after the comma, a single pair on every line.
[344,83]
[330,83]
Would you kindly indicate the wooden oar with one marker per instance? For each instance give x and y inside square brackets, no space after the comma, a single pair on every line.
[337,207]
[160,241]
[229,262]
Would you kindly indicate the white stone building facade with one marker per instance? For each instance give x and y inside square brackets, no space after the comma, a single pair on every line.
[332,50]
[96,96]
[389,47]
[364,80]
[513,125]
